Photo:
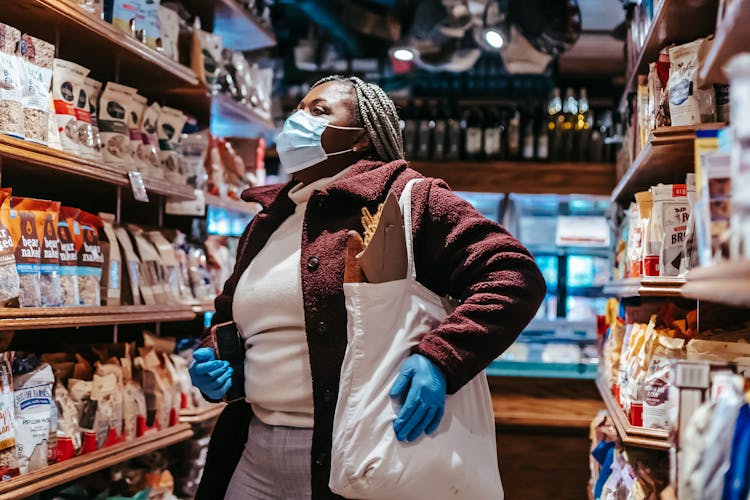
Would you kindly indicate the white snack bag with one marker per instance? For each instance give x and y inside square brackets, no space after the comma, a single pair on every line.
[33,412]
[67,82]
[11,83]
[689,104]
[113,107]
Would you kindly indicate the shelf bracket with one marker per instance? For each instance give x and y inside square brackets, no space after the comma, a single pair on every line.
[118,207]
[115,333]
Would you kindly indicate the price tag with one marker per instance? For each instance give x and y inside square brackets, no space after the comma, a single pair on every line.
[582,231]
[139,188]
[195,208]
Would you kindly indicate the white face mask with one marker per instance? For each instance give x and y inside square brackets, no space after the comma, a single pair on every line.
[299,142]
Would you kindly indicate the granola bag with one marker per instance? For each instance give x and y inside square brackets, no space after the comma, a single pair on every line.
[38,57]
[93,89]
[670,215]
[67,231]
[33,414]
[88,139]
[171,122]
[150,278]
[90,259]
[206,57]
[113,124]
[149,147]
[27,221]
[50,260]
[92,421]
[135,109]
[105,371]
[170,274]
[67,82]
[9,283]
[8,458]
[131,286]
[11,82]
[109,417]
[112,265]
[689,104]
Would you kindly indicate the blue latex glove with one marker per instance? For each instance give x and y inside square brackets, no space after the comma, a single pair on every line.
[424,403]
[213,377]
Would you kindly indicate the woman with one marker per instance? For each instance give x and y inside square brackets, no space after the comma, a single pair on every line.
[344,150]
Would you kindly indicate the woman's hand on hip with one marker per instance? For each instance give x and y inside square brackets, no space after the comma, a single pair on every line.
[425,400]
[213,377]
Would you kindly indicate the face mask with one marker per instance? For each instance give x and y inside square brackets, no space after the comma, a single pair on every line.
[299,143]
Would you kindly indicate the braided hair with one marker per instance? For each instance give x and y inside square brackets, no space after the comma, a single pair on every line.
[377,114]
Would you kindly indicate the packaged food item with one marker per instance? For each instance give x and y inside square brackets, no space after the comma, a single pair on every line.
[169,268]
[688,103]
[121,14]
[90,259]
[156,387]
[715,209]
[38,57]
[93,89]
[67,83]
[89,142]
[134,411]
[93,7]
[182,380]
[105,392]
[27,219]
[92,421]
[67,231]
[112,265]
[8,458]
[667,225]
[153,23]
[105,373]
[654,97]
[69,440]
[9,283]
[131,287]
[53,136]
[656,384]
[112,123]
[171,122]
[150,139]
[50,260]
[643,116]
[150,277]
[134,116]
[200,278]
[206,57]
[33,415]
[689,246]
[169,23]
[722,102]
[635,241]
[11,82]
[193,149]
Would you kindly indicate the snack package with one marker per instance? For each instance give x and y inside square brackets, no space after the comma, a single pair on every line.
[158,399]
[91,421]
[104,372]
[153,23]
[9,282]
[93,89]
[38,57]
[12,87]
[193,149]
[182,380]
[27,227]
[667,227]
[113,107]
[689,258]
[109,415]
[67,81]
[89,142]
[112,265]
[33,414]
[131,287]
[635,242]
[93,7]
[134,411]
[51,292]
[134,109]
[150,139]
[169,272]
[53,136]
[171,122]
[8,452]
[69,440]
[68,230]
[688,103]
[121,14]
[90,259]
[169,22]
[152,286]
[657,381]
[206,57]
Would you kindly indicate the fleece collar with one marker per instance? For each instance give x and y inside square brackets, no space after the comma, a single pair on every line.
[365,181]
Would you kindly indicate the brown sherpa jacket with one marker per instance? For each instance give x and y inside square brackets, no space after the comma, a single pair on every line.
[458,252]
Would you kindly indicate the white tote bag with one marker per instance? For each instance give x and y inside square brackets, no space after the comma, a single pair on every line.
[457,461]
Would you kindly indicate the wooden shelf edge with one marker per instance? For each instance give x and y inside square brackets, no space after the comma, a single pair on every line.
[63,472]
[646,287]
[11,319]
[236,9]
[729,35]
[230,204]
[43,312]
[631,436]
[199,415]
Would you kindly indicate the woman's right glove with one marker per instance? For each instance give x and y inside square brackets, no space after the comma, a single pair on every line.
[212,377]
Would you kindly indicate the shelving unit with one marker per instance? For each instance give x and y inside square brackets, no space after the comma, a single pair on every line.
[203,307]
[231,204]
[727,283]
[203,414]
[673,22]
[239,28]
[523,176]
[36,318]
[630,435]
[69,470]
[732,37]
[646,287]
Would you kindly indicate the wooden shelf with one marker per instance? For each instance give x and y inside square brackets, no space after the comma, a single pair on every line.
[673,22]
[230,118]
[37,318]
[200,415]
[646,287]
[239,28]
[522,177]
[726,283]
[17,153]
[99,46]
[639,437]
[203,307]
[732,37]
[231,204]
[69,470]
[667,159]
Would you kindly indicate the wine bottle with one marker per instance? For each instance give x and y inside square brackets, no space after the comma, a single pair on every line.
[410,130]
[493,133]
[438,135]
[473,137]
[514,134]
[453,135]
[554,111]
[425,133]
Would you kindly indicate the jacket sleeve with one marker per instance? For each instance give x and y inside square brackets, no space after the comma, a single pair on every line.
[461,253]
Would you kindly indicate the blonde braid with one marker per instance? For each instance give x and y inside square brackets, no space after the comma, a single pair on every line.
[378,116]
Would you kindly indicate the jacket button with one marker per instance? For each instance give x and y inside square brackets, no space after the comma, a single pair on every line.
[313,263]
[329,396]
[321,328]
[321,460]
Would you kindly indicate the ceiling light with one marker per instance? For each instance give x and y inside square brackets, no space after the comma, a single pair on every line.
[493,38]
[402,54]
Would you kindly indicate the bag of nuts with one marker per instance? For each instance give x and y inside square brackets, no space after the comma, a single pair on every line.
[38,57]
[9,285]
[11,83]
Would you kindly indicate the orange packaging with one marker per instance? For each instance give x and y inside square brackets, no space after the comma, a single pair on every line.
[9,284]
[50,259]
[90,258]
[67,231]
[27,220]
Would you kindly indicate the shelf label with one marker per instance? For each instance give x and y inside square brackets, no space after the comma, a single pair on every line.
[582,231]
[139,188]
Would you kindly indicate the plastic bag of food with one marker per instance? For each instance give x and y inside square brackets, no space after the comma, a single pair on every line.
[90,259]
[11,79]
[171,122]
[206,57]
[9,283]
[113,105]
[121,14]
[67,82]
[112,266]
[69,440]
[688,103]
[193,149]
[68,230]
[93,89]
[104,372]
[38,57]
[33,414]
[8,458]
[657,381]
[51,292]
[169,22]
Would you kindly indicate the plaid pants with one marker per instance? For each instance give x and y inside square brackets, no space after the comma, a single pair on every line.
[275,464]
